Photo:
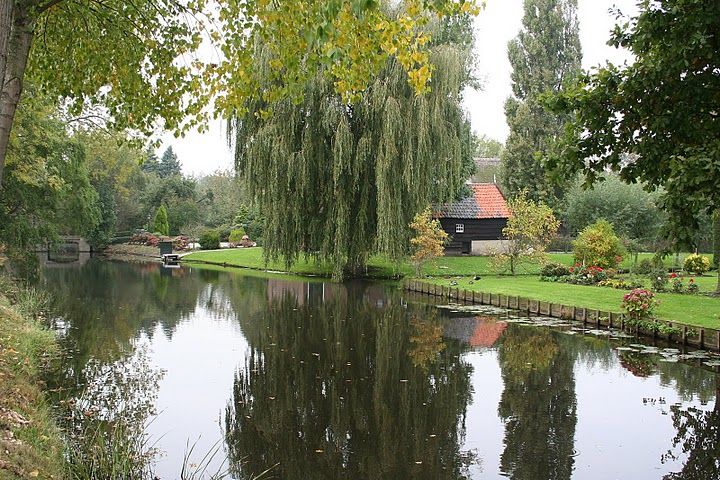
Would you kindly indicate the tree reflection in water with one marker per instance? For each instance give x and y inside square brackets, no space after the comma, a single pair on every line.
[330,387]
[538,404]
[698,435]
[345,381]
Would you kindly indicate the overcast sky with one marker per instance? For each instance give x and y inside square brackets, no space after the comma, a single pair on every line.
[495,26]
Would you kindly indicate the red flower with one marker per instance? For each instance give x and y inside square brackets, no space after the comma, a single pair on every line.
[673,275]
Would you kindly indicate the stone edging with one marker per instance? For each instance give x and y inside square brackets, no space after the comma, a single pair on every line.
[699,337]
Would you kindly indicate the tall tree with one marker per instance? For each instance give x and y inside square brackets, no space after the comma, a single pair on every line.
[150,162]
[632,211]
[340,181]
[169,164]
[545,54]
[48,190]
[138,58]
[664,109]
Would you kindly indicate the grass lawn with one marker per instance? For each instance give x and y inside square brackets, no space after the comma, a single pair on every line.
[381,267]
[690,309]
[694,310]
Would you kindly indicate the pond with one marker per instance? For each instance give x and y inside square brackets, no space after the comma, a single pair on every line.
[360,380]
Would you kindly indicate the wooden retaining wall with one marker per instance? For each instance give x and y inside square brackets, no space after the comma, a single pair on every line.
[706,338]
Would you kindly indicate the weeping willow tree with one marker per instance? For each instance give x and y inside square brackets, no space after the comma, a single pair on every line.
[339,182]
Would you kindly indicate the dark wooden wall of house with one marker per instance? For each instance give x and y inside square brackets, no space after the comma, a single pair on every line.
[475,229]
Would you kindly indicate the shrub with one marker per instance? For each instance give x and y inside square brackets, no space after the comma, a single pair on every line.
[554,270]
[210,240]
[224,233]
[161,224]
[620,284]
[585,275]
[598,245]
[676,283]
[659,279]
[639,303]
[236,235]
[692,287]
[181,243]
[644,267]
[696,264]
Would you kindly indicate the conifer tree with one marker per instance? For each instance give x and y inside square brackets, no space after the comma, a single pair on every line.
[161,224]
[544,55]
[340,181]
[169,164]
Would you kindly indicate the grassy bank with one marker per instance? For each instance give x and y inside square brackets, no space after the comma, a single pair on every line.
[379,267]
[693,310]
[689,309]
[30,443]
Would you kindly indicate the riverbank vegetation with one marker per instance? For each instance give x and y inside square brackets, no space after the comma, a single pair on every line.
[30,442]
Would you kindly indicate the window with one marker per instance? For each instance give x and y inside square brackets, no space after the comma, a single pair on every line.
[459,228]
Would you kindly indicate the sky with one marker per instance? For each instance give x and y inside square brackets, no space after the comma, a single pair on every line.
[496,25]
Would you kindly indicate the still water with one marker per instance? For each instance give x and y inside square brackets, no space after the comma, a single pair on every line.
[361,380]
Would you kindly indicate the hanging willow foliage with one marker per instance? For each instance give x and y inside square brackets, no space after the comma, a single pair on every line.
[338,182]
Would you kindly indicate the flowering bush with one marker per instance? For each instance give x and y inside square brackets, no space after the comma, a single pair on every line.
[692,286]
[181,243]
[145,238]
[582,275]
[696,264]
[659,279]
[639,303]
[676,281]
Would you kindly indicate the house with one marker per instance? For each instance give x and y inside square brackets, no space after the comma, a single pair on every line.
[475,223]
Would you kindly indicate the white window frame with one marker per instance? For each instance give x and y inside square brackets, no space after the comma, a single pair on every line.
[459,228]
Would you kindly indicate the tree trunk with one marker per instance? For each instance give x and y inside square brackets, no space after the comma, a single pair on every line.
[6,11]
[716,238]
[17,51]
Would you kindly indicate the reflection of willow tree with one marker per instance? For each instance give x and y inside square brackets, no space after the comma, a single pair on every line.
[698,434]
[538,404]
[329,391]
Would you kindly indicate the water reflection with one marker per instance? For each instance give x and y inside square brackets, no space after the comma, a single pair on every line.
[538,404]
[359,380]
[332,388]
[698,437]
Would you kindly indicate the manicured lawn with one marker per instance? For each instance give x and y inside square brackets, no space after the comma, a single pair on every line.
[689,309]
[381,267]
[694,310]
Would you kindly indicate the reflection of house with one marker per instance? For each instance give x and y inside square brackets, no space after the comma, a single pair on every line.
[475,223]
[306,293]
[479,332]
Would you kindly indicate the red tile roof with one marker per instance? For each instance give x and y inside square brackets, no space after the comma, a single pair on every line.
[485,201]
[490,200]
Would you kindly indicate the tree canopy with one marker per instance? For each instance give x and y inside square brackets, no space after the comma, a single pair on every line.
[545,54]
[141,60]
[632,211]
[340,181]
[663,109]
